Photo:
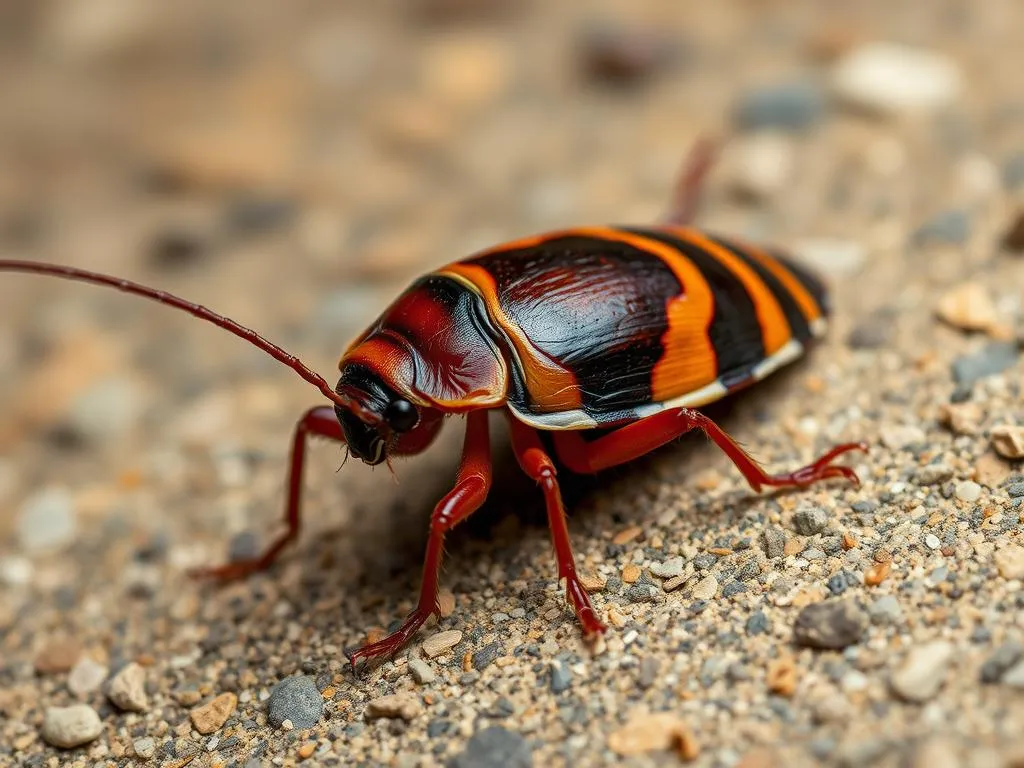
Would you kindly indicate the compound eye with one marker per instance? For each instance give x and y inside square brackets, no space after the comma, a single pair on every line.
[401,415]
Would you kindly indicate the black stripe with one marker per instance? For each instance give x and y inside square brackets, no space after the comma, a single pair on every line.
[810,281]
[735,331]
[798,326]
[598,307]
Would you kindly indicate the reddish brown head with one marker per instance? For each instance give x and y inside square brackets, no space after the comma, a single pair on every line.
[431,353]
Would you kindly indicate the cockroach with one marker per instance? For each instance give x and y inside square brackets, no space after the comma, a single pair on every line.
[608,338]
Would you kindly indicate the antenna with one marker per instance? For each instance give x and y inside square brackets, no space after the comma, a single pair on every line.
[196,310]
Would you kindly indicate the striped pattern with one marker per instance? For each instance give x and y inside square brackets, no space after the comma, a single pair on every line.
[597,326]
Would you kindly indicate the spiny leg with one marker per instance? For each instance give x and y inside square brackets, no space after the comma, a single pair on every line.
[641,437]
[472,484]
[538,465]
[320,421]
[686,194]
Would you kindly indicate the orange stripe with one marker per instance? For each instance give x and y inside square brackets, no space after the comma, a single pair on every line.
[790,281]
[551,387]
[775,330]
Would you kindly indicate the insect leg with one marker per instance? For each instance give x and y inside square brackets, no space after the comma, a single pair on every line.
[641,437]
[686,195]
[320,421]
[538,465]
[472,484]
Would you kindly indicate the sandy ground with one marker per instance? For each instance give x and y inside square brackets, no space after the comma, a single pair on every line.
[295,169]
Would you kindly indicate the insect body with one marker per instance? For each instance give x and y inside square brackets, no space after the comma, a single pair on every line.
[625,330]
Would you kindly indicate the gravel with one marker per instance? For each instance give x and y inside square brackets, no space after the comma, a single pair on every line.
[923,672]
[808,521]
[795,106]
[46,521]
[127,689]
[891,79]
[495,747]
[68,727]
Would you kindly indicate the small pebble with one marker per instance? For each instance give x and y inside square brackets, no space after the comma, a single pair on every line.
[58,655]
[669,569]
[885,610]
[892,79]
[952,227]
[561,677]
[86,676]
[1013,171]
[400,705]
[649,732]
[46,521]
[961,418]
[485,656]
[615,54]
[421,672]
[1010,561]
[773,540]
[494,747]
[1014,677]
[932,474]
[127,689]
[833,624]
[296,699]
[968,491]
[706,588]
[871,333]
[68,727]
[1008,441]
[144,747]
[211,716]
[932,541]
[993,358]
[757,624]
[897,436]
[1003,658]
[15,571]
[630,573]
[437,644]
[969,307]
[923,671]
[808,521]
[793,106]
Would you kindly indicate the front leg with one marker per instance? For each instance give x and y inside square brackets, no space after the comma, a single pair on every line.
[472,484]
[538,465]
[320,421]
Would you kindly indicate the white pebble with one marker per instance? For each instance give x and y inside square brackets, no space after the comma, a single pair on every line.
[706,588]
[762,165]
[46,521]
[831,256]
[895,79]
[15,571]
[86,676]
[437,644]
[127,690]
[932,541]
[968,491]
[68,727]
[923,671]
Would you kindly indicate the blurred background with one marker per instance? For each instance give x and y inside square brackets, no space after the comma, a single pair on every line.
[294,165]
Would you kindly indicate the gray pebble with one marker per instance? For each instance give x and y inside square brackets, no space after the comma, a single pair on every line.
[68,727]
[494,747]
[485,656]
[46,521]
[648,672]
[872,333]
[733,588]
[786,106]
[105,409]
[244,546]
[947,227]
[296,699]
[1015,490]
[808,521]
[833,624]
[1002,659]
[640,593]
[812,553]
[773,540]
[993,358]
[561,677]
[1014,677]
[885,610]
[1013,171]
[757,624]
[421,672]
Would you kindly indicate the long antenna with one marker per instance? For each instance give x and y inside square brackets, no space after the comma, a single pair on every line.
[196,310]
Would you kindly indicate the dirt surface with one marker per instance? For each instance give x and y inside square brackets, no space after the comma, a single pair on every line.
[294,166]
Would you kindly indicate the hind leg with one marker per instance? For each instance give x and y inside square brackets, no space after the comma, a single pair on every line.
[686,195]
